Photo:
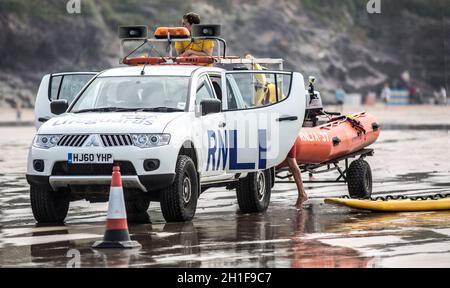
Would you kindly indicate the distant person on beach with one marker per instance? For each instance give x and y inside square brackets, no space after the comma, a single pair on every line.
[444,95]
[18,112]
[340,100]
[340,96]
[386,93]
[414,94]
[405,79]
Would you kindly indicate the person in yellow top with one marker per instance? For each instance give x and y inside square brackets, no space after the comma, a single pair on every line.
[193,47]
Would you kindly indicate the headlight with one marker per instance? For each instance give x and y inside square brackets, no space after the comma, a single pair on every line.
[46,141]
[150,140]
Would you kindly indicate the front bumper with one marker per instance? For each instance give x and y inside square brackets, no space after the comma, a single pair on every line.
[54,176]
[145,183]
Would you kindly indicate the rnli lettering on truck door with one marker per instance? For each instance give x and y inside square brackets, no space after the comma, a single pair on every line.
[223,149]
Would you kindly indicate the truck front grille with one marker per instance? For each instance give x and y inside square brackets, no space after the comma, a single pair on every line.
[72,140]
[65,169]
[116,140]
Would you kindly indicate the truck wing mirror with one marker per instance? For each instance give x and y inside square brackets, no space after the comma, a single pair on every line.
[59,107]
[210,106]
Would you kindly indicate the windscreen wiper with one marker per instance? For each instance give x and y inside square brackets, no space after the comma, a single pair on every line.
[105,109]
[159,109]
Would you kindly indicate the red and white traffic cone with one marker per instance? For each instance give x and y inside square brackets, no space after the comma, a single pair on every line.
[116,234]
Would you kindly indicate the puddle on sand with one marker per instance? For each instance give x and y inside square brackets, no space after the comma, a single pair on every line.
[416,176]
[441,184]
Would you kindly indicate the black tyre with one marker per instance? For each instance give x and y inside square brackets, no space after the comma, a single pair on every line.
[179,201]
[253,192]
[137,205]
[359,178]
[49,206]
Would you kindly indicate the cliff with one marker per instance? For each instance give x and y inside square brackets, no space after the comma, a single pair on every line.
[337,41]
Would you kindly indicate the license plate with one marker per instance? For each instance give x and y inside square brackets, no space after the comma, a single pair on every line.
[90,158]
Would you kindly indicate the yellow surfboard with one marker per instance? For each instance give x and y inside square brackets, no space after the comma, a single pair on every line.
[407,205]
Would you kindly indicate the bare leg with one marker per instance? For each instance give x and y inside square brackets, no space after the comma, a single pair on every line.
[295,170]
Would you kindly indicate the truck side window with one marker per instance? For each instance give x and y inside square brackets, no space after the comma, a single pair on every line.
[55,83]
[235,99]
[68,86]
[256,89]
[232,104]
[217,85]
[204,91]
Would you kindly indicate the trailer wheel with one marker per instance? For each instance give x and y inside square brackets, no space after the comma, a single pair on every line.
[179,201]
[253,192]
[359,179]
[49,206]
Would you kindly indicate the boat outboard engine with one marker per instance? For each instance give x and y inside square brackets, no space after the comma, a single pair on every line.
[314,106]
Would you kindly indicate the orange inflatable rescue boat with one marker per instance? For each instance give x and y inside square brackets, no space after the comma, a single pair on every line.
[341,136]
[327,139]
[337,137]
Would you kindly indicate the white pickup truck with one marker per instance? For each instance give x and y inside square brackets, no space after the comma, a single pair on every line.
[175,131]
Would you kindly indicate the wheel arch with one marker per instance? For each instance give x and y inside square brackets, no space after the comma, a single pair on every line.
[188,149]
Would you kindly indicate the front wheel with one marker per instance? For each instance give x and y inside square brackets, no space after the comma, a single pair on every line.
[49,206]
[179,201]
[253,192]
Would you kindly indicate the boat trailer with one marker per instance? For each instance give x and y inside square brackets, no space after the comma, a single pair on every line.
[357,174]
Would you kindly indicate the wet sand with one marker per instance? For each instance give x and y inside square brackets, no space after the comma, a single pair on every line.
[407,162]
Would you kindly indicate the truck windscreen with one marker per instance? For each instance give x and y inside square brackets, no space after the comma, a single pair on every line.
[111,94]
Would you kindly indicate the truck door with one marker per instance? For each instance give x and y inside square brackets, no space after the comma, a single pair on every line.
[209,130]
[264,112]
[55,87]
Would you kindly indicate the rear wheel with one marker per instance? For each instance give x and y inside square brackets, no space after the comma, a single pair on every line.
[359,178]
[49,206]
[253,192]
[179,201]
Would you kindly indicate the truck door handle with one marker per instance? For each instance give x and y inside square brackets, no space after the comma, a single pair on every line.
[43,119]
[287,118]
[222,125]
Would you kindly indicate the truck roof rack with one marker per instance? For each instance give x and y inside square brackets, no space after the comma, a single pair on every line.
[171,35]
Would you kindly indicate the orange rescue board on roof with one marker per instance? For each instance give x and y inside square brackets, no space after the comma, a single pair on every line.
[339,137]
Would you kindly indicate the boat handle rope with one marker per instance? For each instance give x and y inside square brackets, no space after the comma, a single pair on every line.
[356,124]
[350,119]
